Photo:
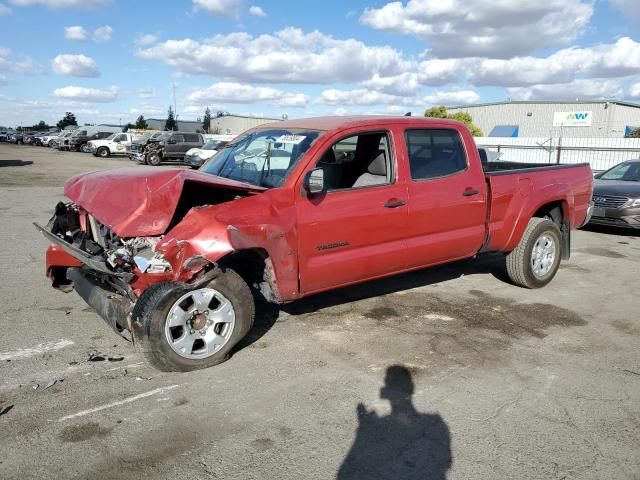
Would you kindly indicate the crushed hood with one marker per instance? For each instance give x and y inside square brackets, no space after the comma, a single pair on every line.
[137,202]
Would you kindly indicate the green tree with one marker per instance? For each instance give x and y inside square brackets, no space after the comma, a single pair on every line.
[141,123]
[635,133]
[436,112]
[464,117]
[40,126]
[171,123]
[69,119]
[206,120]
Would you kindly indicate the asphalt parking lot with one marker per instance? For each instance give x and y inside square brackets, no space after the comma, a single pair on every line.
[498,381]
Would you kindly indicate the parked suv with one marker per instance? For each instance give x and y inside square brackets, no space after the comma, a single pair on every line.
[170,147]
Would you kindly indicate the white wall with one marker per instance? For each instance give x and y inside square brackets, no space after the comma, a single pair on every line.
[601,153]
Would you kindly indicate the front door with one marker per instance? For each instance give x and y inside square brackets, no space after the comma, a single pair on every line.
[355,229]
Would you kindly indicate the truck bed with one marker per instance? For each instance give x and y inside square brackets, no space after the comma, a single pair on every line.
[503,167]
[518,190]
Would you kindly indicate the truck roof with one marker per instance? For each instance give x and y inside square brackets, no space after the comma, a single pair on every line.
[335,122]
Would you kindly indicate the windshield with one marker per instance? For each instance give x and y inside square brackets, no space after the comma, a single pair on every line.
[628,172]
[262,157]
[213,145]
[111,137]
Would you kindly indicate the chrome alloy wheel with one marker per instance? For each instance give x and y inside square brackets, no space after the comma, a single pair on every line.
[200,323]
[543,256]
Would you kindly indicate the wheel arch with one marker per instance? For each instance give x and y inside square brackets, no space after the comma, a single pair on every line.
[255,267]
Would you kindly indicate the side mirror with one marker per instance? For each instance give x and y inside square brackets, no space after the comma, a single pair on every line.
[314,181]
[597,175]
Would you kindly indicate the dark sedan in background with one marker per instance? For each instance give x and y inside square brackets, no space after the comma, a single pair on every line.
[616,196]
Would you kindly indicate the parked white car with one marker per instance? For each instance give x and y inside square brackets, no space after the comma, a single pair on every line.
[116,144]
[196,157]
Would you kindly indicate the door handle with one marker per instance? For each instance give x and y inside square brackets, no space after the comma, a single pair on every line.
[469,192]
[394,203]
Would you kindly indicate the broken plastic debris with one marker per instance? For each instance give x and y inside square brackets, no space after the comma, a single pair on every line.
[115,359]
[95,357]
[50,384]
[5,410]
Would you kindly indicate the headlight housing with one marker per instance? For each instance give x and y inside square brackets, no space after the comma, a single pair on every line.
[634,202]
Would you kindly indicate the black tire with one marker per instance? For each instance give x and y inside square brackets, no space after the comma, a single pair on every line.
[150,314]
[103,152]
[519,261]
[154,159]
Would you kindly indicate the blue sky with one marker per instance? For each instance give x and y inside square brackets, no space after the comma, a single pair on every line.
[112,60]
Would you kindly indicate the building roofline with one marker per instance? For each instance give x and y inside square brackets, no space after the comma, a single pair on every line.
[245,116]
[546,102]
[164,120]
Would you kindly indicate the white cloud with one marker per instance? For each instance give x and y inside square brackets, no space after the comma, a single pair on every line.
[146,39]
[628,7]
[618,59]
[359,96]
[75,65]
[579,89]
[60,4]
[452,98]
[405,84]
[634,91]
[228,8]
[76,33]
[84,94]
[440,71]
[4,10]
[493,28]
[3,80]
[256,11]
[102,34]
[228,92]
[288,56]
[25,66]
[146,92]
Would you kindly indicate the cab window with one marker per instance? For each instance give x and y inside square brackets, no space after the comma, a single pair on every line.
[357,161]
[435,153]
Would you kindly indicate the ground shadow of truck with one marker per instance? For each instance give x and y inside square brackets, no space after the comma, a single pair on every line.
[267,314]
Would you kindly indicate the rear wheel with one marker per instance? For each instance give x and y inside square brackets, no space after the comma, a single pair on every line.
[536,259]
[103,152]
[181,329]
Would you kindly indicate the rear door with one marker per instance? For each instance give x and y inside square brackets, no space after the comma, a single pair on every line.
[192,140]
[356,229]
[447,197]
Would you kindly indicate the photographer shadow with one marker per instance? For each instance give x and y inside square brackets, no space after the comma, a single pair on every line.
[405,444]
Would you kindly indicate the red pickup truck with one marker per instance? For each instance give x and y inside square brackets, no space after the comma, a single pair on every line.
[174,257]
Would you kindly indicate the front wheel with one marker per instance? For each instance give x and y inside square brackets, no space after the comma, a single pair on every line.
[85,148]
[536,259]
[154,159]
[103,152]
[178,328]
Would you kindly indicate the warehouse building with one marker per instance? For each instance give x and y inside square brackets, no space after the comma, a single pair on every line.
[187,126]
[585,119]
[227,123]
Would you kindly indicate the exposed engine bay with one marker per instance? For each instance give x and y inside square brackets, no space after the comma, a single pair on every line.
[84,232]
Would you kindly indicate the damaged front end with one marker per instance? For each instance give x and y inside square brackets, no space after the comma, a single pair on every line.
[103,268]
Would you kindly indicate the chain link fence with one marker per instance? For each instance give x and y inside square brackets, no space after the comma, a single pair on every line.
[600,153]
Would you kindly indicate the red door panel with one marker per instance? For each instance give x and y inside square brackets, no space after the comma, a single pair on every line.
[351,235]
